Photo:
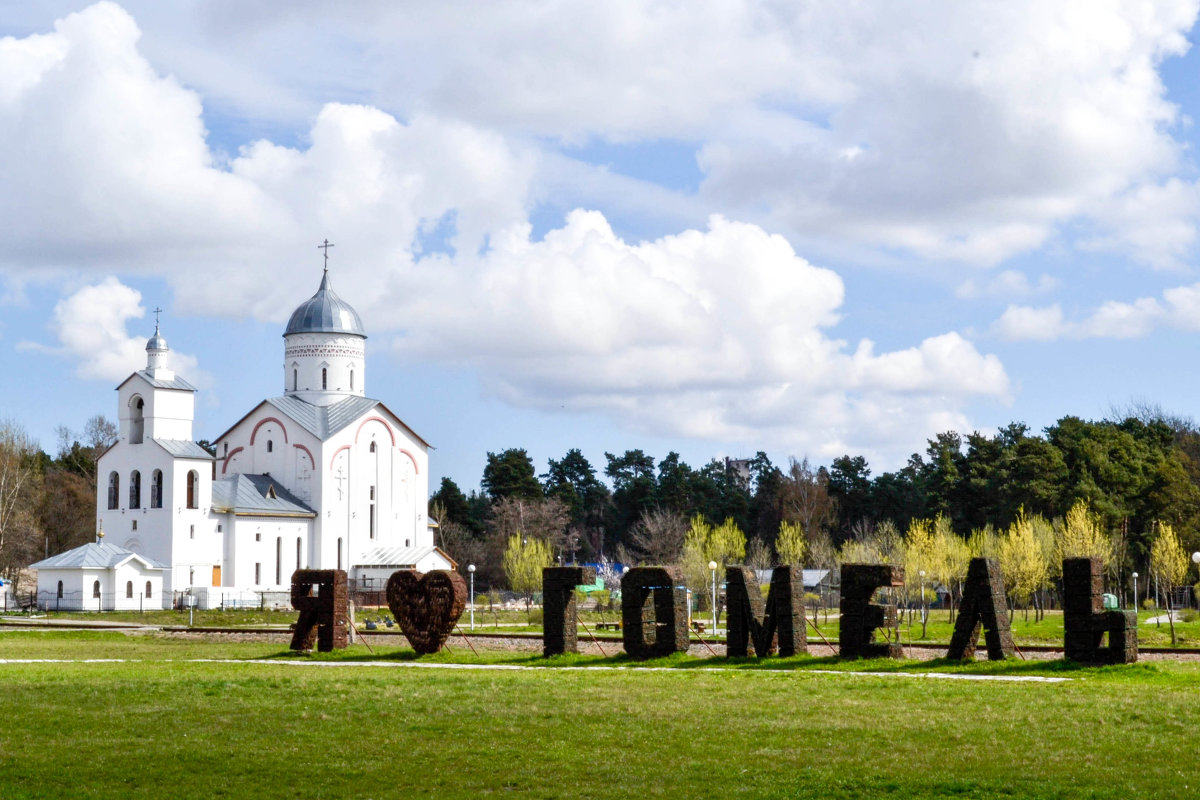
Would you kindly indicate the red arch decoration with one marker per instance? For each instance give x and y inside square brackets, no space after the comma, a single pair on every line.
[264,421]
[363,424]
[308,453]
[231,454]
[412,458]
[335,454]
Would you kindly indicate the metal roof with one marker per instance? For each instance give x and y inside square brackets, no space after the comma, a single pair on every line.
[325,312]
[398,557]
[183,448]
[95,555]
[323,421]
[157,383]
[256,495]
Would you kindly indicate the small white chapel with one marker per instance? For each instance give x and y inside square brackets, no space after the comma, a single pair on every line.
[319,477]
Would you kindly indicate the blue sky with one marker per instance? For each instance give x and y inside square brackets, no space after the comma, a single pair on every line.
[712,227]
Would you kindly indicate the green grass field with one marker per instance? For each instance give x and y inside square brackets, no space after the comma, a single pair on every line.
[353,724]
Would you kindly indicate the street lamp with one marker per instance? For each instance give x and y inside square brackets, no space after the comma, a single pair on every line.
[712,565]
[1135,603]
[471,572]
[924,614]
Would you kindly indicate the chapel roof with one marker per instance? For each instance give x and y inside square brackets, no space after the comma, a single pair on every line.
[256,495]
[325,312]
[95,555]
[183,448]
[400,557]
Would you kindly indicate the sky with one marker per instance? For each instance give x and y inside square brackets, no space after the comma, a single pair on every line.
[713,227]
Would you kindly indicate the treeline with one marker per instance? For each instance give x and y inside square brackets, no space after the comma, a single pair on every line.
[1132,476]
[48,504]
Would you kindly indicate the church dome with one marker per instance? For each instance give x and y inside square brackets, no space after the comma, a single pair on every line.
[156,342]
[325,312]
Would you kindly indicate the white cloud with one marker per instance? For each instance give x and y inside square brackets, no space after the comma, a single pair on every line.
[90,326]
[1178,308]
[716,334]
[721,333]
[1007,284]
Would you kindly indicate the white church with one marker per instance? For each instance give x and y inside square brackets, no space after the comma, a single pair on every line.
[319,477]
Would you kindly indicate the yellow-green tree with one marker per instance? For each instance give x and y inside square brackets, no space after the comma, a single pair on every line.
[1168,564]
[790,543]
[1021,560]
[524,559]
[919,556]
[724,544]
[1082,535]
[952,557]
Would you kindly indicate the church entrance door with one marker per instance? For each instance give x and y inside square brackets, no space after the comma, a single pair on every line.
[217,575]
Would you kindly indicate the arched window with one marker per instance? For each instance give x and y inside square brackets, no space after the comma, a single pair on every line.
[324,378]
[295,379]
[278,560]
[352,380]
[298,551]
[95,588]
[148,592]
[135,489]
[137,421]
[193,489]
[270,446]
[114,489]
[129,590]
[60,590]
[339,566]
[156,489]
[372,447]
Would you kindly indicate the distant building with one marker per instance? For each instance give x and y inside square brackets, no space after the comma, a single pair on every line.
[321,476]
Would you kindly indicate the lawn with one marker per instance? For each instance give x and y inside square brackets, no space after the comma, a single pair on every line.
[354,724]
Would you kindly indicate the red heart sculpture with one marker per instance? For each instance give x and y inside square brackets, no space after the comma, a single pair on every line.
[426,605]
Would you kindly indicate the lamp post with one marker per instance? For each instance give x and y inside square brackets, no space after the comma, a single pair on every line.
[923,612]
[471,572]
[712,566]
[1135,602]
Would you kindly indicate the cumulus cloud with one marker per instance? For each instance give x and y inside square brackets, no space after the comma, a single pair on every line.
[91,328]
[721,333]
[1178,308]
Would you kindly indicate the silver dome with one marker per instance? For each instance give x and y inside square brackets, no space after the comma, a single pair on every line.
[156,342]
[325,312]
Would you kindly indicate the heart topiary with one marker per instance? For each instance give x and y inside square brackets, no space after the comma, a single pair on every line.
[426,605]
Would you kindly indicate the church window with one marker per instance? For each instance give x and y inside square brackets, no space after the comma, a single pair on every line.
[352,380]
[156,489]
[137,421]
[135,489]
[60,590]
[95,588]
[408,542]
[148,590]
[191,531]
[298,551]
[218,527]
[226,452]
[372,447]
[371,513]
[134,525]
[295,379]
[193,489]
[114,489]
[270,446]
[339,566]
[258,536]
[129,590]
[257,573]
[278,560]
[324,378]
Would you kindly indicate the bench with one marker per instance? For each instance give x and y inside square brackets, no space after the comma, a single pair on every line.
[608,626]
[697,626]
